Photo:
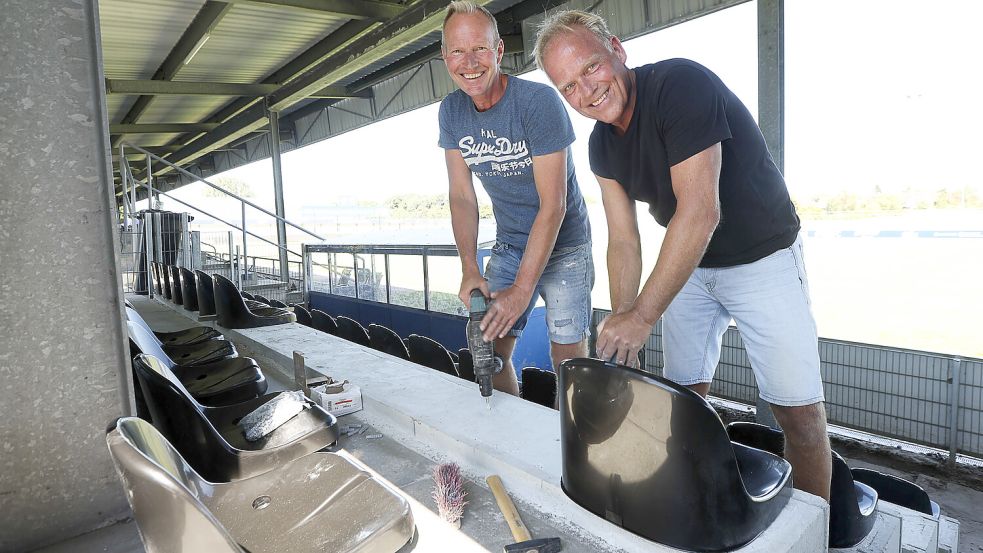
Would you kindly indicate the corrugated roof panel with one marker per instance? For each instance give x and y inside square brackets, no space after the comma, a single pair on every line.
[443,84]
[312,127]
[404,92]
[138,34]
[252,41]
[349,114]
[118,105]
[145,140]
[181,109]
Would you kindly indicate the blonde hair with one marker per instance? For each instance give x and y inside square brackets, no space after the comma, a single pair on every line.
[466,7]
[567,22]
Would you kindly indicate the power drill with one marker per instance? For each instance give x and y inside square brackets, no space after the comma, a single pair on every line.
[486,364]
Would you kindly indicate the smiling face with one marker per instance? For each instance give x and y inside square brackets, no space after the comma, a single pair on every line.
[472,56]
[591,76]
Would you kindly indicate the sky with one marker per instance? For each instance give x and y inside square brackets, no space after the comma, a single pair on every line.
[878,94]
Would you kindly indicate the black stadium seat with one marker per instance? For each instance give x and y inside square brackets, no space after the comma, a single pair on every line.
[232,311]
[898,491]
[193,335]
[465,365]
[352,330]
[324,322]
[647,469]
[430,353]
[165,273]
[303,316]
[383,339]
[539,386]
[175,275]
[205,290]
[223,382]
[851,503]
[189,290]
[210,437]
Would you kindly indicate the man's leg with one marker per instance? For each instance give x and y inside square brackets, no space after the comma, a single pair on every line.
[692,327]
[506,380]
[561,352]
[807,446]
[769,300]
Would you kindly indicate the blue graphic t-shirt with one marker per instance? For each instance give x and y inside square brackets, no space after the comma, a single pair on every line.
[498,146]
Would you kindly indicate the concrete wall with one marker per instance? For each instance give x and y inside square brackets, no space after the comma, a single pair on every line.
[62,356]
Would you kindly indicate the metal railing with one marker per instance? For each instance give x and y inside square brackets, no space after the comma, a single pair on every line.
[920,397]
[279,278]
[420,276]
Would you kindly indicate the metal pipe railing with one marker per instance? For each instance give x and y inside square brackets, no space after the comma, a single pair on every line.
[224,191]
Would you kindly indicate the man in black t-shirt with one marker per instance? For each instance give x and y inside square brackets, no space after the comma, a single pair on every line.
[671,134]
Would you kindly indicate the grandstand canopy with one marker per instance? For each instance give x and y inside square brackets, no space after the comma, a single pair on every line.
[195,81]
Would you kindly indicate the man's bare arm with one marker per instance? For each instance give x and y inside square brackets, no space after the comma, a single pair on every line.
[695,183]
[624,245]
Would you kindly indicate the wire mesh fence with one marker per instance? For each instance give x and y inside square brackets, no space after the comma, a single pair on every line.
[920,397]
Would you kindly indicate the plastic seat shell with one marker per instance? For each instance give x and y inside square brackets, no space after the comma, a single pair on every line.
[176,293]
[232,312]
[352,330]
[386,340]
[221,382]
[652,457]
[206,294]
[430,353]
[303,316]
[189,290]
[344,509]
[210,437]
[324,322]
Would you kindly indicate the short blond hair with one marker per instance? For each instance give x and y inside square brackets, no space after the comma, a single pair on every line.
[567,22]
[466,7]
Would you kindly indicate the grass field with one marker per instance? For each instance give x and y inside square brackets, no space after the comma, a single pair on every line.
[915,293]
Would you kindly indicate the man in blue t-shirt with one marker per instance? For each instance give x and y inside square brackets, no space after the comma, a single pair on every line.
[671,134]
[515,136]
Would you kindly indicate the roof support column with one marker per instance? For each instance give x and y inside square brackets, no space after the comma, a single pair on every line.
[281,227]
[771,77]
[771,108]
[64,361]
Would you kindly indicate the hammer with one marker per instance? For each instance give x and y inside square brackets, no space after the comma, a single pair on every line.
[523,540]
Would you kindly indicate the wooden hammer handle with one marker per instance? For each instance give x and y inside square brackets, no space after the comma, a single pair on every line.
[511,514]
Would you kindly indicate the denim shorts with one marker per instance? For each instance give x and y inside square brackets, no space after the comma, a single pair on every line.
[565,286]
[769,302]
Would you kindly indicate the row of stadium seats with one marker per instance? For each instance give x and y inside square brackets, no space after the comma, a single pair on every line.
[199,477]
[537,385]
[218,296]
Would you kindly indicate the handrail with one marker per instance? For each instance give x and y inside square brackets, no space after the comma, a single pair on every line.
[243,200]
[219,219]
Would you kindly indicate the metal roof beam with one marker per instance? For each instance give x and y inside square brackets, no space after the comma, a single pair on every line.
[148,128]
[352,9]
[154,88]
[294,67]
[416,22]
[205,20]
[157,88]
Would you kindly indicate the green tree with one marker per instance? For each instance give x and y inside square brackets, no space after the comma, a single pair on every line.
[234,185]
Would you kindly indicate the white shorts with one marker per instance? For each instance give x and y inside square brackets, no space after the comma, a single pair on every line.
[769,301]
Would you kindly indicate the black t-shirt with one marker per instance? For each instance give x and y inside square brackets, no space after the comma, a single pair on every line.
[681,109]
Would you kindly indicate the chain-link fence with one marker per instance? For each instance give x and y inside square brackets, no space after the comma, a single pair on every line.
[920,397]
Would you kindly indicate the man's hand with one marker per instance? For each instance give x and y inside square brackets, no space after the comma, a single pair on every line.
[470,281]
[621,336]
[508,306]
